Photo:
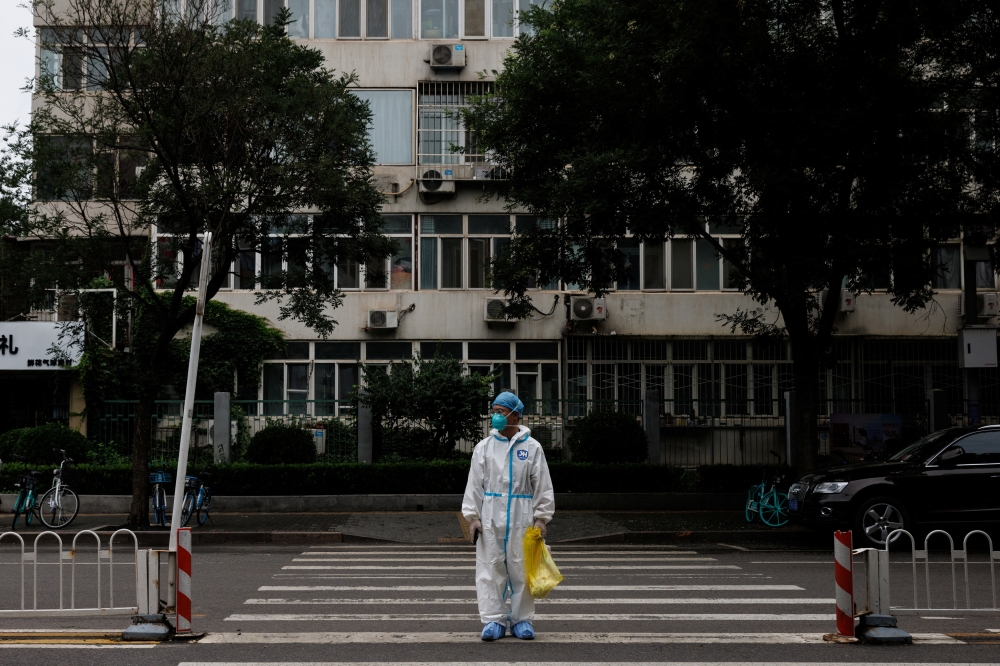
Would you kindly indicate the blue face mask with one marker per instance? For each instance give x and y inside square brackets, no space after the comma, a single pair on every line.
[499,421]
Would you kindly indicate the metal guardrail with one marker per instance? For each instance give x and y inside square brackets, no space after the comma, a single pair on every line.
[73,611]
[924,555]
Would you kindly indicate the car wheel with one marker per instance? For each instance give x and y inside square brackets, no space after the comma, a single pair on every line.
[877,518]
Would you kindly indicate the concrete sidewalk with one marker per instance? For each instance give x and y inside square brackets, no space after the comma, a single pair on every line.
[441,527]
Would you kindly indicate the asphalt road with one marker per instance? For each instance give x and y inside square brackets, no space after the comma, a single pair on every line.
[625,604]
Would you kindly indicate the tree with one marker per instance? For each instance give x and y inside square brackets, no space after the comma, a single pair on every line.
[829,135]
[149,120]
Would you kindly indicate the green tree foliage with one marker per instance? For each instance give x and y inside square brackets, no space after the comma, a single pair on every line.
[422,410]
[608,437]
[832,136]
[39,445]
[179,126]
[281,444]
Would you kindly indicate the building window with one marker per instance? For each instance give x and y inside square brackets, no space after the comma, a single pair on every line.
[329,19]
[391,128]
[441,136]
[313,378]
[439,19]
[395,272]
[947,267]
[455,251]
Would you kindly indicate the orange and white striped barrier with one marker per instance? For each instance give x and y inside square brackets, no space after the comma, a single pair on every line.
[183,623]
[843,563]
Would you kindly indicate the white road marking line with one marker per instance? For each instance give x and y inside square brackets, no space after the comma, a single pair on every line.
[70,646]
[473,559]
[383,637]
[558,663]
[785,601]
[556,550]
[472,568]
[573,588]
[550,617]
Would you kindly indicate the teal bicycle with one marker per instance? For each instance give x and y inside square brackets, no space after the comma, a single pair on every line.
[767,502]
[27,500]
[158,496]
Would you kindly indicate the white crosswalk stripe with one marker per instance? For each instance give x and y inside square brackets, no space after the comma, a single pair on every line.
[672,588]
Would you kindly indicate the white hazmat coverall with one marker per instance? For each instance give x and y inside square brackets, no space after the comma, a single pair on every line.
[509,488]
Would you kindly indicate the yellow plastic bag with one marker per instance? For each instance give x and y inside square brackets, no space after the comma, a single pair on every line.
[542,573]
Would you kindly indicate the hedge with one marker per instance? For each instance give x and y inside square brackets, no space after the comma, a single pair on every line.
[439,476]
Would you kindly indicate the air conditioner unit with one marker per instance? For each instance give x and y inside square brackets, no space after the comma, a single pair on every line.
[387,183]
[447,56]
[383,319]
[587,308]
[493,310]
[437,181]
[986,305]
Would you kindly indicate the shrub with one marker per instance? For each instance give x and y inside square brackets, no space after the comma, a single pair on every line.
[281,443]
[608,437]
[37,444]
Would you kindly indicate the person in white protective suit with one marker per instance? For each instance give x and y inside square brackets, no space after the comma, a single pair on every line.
[509,490]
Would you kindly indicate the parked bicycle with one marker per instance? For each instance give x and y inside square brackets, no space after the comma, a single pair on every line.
[767,503]
[59,506]
[24,504]
[160,480]
[197,498]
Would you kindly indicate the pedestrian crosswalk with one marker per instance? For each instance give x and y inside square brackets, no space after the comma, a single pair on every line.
[426,595]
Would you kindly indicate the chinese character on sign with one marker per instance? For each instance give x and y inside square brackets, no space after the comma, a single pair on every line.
[7,344]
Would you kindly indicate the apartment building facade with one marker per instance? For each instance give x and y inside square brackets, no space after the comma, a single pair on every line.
[418,63]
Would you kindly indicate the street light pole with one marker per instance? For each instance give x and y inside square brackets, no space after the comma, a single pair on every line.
[186,424]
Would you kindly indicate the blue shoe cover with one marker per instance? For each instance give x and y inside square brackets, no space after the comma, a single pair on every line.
[523,630]
[493,631]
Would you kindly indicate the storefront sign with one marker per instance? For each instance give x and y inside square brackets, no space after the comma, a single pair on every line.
[39,345]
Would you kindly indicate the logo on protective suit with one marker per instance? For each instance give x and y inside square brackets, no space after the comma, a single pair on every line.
[522,454]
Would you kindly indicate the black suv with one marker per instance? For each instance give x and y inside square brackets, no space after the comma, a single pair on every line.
[950,476]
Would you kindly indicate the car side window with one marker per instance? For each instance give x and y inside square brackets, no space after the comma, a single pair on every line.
[981,448]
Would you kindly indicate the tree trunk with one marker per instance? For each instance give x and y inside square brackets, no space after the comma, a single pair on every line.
[138,515]
[806,370]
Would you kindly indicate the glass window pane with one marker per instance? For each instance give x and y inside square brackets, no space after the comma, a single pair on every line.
[270,263]
[245,270]
[451,263]
[489,224]
[576,388]
[479,262]
[730,274]
[166,263]
[428,263]
[523,5]
[221,11]
[439,348]
[377,18]
[947,272]
[350,18]
[271,8]
[681,269]
[503,18]
[652,266]
[50,68]
[377,274]
[763,389]
[97,69]
[298,259]
[489,351]
[348,274]
[440,224]
[439,19]
[475,18]
[707,266]
[348,381]
[345,350]
[543,351]
[629,280]
[72,69]
[550,386]
[402,19]
[527,390]
[297,350]
[391,128]
[397,224]
[503,382]
[325,388]
[985,277]
[326,18]
[299,28]
[298,376]
[274,387]
[246,10]
[401,268]
[389,351]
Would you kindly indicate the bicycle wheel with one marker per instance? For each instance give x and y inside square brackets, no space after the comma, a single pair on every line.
[18,508]
[160,506]
[58,509]
[29,508]
[774,509]
[187,508]
[753,503]
[204,501]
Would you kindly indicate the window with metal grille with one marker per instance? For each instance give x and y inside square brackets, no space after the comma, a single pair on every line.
[442,137]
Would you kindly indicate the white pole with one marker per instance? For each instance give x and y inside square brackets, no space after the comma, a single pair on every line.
[192,376]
